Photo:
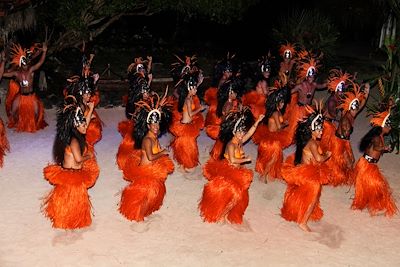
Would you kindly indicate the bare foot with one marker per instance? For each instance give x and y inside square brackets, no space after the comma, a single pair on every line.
[304,227]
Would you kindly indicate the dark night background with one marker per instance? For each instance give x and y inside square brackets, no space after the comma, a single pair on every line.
[164,34]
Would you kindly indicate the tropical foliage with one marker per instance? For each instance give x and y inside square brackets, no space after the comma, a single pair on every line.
[388,81]
[82,20]
[308,28]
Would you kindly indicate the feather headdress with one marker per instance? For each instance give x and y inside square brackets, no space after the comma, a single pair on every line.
[337,80]
[351,100]
[18,55]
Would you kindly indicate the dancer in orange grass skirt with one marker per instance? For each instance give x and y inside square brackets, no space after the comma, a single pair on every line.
[68,205]
[4,144]
[226,195]
[82,90]
[187,122]
[336,84]
[148,166]
[255,99]
[223,71]
[286,75]
[139,92]
[306,72]
[181,68]
[228,101]
[305,172]
[270,151]
[24,109]
[372,191]
[342,160]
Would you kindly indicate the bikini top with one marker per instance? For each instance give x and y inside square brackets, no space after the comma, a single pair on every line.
[239,152]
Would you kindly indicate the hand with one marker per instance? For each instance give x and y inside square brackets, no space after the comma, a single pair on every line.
[328,154]
[150,58]
[90,106]
[262,116]
[164,152]
[44,47]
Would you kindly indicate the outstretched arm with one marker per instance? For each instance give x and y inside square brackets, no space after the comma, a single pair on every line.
[320,86]
[10,74]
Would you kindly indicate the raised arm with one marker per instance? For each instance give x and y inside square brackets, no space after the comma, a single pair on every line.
[41,60]
[252,129]
[150,63]
[88,116]
[366,94]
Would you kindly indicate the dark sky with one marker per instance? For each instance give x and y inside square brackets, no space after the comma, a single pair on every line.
[356,20]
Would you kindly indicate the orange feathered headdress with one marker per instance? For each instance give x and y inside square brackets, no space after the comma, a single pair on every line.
[337,80]
[185,66]
[287,50]
[307,67]
[18,55]
[380,118]
[314,115]
[154,106]
[351,100]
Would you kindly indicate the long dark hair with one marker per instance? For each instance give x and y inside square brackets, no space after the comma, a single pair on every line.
[189,80]
[66,130]
[227,126]
[302,137]
[183,93]
[273,100]
[234,84]
[141,126]
[367,139]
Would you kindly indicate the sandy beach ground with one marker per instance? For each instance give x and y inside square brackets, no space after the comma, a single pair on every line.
[176,235]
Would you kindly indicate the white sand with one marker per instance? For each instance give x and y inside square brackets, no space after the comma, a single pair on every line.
[176,235]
